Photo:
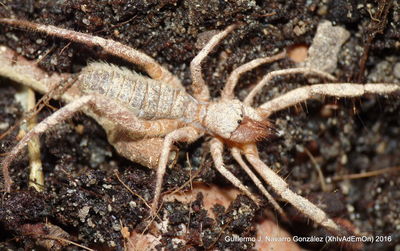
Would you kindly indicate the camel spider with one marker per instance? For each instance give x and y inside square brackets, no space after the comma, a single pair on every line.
[158,112]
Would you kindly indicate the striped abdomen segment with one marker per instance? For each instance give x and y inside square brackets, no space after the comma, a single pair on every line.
[147,98]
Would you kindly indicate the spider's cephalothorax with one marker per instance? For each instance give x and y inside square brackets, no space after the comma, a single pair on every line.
[235,122]
[143,117]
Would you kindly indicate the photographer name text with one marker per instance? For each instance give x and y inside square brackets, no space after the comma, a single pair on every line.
[325,239]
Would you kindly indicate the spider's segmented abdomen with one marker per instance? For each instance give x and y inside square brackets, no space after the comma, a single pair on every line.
[147,98]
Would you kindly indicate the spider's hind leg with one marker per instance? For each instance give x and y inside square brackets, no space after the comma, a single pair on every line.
[57,117]
[147,63]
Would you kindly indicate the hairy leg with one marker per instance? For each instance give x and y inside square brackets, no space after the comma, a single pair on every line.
[228,91]
[155,70]
[27,72]
[129,144]
[282,189]
[186,134]
[341,90]
[104,109]
[306,71]
[200,89]
[61,115]
[237,156]
[216,148]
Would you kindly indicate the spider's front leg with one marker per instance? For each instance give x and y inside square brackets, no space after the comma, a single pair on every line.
[282,189]
[340,90]
[267,79]
[200,89]
[216,148]
[228,91]
[238,157]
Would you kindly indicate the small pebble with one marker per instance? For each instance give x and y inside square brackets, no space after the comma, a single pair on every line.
[396,70]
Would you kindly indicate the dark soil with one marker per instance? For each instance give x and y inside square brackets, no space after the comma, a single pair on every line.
[345,136]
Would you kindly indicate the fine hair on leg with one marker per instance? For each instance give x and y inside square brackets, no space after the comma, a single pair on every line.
[57,117]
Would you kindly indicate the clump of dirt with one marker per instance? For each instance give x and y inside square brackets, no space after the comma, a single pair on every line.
[191,227]
[83,194]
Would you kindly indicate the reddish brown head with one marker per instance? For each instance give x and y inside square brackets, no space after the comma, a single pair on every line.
[251,131]
[235,122]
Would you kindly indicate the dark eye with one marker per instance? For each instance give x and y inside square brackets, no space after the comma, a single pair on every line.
[240,120]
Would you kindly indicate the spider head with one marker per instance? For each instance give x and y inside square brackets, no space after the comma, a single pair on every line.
[235,122]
